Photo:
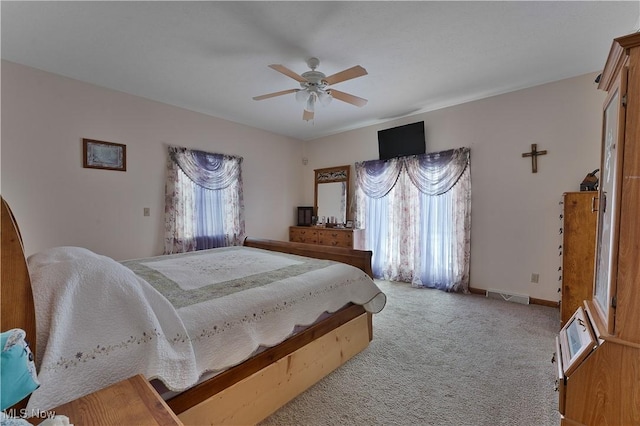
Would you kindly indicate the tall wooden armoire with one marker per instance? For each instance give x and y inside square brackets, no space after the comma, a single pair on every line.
[598,350]
[579,218]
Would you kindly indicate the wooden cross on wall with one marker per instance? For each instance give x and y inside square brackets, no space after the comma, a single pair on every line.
[534,157]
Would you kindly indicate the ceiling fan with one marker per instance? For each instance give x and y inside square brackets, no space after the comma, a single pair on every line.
[315,87]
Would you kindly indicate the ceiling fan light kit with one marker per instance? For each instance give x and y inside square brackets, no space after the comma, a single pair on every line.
[311,103]
[315,87]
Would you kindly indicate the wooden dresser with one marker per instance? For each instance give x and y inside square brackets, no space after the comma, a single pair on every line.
[579,218]
[599,355]
[336,237]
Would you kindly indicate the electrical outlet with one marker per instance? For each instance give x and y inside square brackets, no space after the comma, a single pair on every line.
[146,211]
[535,278]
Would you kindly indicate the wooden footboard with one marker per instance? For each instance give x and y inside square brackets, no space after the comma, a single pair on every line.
[359,258]
[254,398]
[194,396]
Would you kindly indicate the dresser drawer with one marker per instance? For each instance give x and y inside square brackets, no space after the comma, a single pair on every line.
[303,235]
[335,238]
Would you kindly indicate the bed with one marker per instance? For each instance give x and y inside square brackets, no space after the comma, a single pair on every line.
[257,385]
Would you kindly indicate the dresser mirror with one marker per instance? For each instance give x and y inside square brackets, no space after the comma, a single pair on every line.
[331,197]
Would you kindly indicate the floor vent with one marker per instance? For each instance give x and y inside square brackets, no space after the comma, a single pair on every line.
[509,297]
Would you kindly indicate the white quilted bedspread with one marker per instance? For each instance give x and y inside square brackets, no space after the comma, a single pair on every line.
[173,317]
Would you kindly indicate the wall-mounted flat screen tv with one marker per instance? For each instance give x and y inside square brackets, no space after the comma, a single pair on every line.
[402,140]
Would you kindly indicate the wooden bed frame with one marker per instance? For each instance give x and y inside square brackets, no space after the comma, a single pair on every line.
[249,392]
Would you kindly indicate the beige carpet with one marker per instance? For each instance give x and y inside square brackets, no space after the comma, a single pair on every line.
[441,359]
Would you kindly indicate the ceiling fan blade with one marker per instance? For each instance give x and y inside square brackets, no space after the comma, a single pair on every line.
[271,95]
[346,97]
[307,115]
[347,74]
[286,71]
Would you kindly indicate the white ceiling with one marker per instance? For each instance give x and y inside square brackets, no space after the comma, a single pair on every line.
[212,57]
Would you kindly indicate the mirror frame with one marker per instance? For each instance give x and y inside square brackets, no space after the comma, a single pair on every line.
[330,175]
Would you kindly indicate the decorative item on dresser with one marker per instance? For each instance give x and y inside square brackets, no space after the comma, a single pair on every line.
[599,378]
[578,250]
[335,237]
[305,216]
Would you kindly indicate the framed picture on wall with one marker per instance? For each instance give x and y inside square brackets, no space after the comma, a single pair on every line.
[104,155]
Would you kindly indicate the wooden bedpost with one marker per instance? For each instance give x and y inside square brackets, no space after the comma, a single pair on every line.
[16,297]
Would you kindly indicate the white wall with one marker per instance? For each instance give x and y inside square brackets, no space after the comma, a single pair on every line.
[57,202]
[515,213]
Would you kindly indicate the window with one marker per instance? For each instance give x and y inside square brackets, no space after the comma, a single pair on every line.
[416,212]
[204,203]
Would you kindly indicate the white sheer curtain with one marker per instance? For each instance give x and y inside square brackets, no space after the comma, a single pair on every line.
[204,205]
[416,212]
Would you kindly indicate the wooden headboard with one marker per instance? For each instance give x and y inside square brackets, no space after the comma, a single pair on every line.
[16,297]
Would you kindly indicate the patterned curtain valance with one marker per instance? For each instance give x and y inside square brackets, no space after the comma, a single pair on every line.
[377,177]
[211,171]
[433,174]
